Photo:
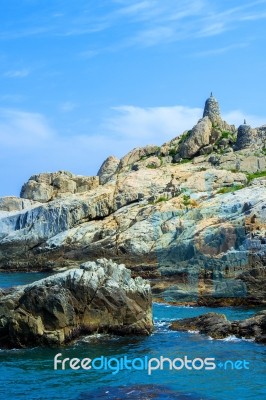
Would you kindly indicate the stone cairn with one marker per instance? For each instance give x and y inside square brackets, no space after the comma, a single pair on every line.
[212,110]
[245,136]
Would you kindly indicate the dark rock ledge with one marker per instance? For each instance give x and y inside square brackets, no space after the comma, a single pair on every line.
[218,327]
[100,296]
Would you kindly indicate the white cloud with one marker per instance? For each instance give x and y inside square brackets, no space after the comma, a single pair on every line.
[236,117]
[20,128]
[155,124]
[21,73]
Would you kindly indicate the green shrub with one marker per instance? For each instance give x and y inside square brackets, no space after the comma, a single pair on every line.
[186,200]
[184,136]
[185,160]
[163,198]
[151,166]
[225,135]
[230,189]
[172,152]
[260,174]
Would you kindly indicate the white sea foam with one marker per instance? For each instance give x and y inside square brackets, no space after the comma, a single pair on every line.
[233,338]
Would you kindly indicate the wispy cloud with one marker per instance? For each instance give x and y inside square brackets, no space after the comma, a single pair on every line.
[152,22]
[155,124]
[219,50]
[236,117]
[19,73]
[19,129]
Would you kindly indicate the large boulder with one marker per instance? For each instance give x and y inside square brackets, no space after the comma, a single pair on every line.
[108,169]
[101,296]
[212,324]
[198,138]
[138,154]
[48,186]
[218,327]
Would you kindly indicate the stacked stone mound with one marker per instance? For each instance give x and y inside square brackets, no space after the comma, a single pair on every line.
[206,135]
[101,296]
[212,110]
[48,186]
[246,137]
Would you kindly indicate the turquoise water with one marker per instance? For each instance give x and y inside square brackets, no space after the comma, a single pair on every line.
[29,373]
[20,278]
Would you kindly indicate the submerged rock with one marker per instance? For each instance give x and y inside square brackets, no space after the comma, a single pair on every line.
[218,327]
[100,296]
[136,392]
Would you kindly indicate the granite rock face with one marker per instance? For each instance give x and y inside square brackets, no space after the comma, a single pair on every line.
[199,137]
[108,169]
[48,186]
[136,155]
[101,296]
[13,203]
[218,327]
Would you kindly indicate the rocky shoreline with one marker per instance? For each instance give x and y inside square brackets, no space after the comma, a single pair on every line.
[189,215]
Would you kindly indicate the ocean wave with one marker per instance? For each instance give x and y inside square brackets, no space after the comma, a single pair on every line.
[233,338]
[161,323]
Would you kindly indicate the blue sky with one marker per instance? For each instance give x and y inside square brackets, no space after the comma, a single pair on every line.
[81,80]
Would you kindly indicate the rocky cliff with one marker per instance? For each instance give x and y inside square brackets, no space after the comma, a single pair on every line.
[190,215]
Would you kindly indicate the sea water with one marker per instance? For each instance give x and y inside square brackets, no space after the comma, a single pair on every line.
[30,374]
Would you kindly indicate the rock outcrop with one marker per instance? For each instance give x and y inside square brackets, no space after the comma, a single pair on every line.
[48,186]
[217,326]
[12,203]
[101,296]
[108,169]
[195,225]
[210,134]
[198,138]
[136,155]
